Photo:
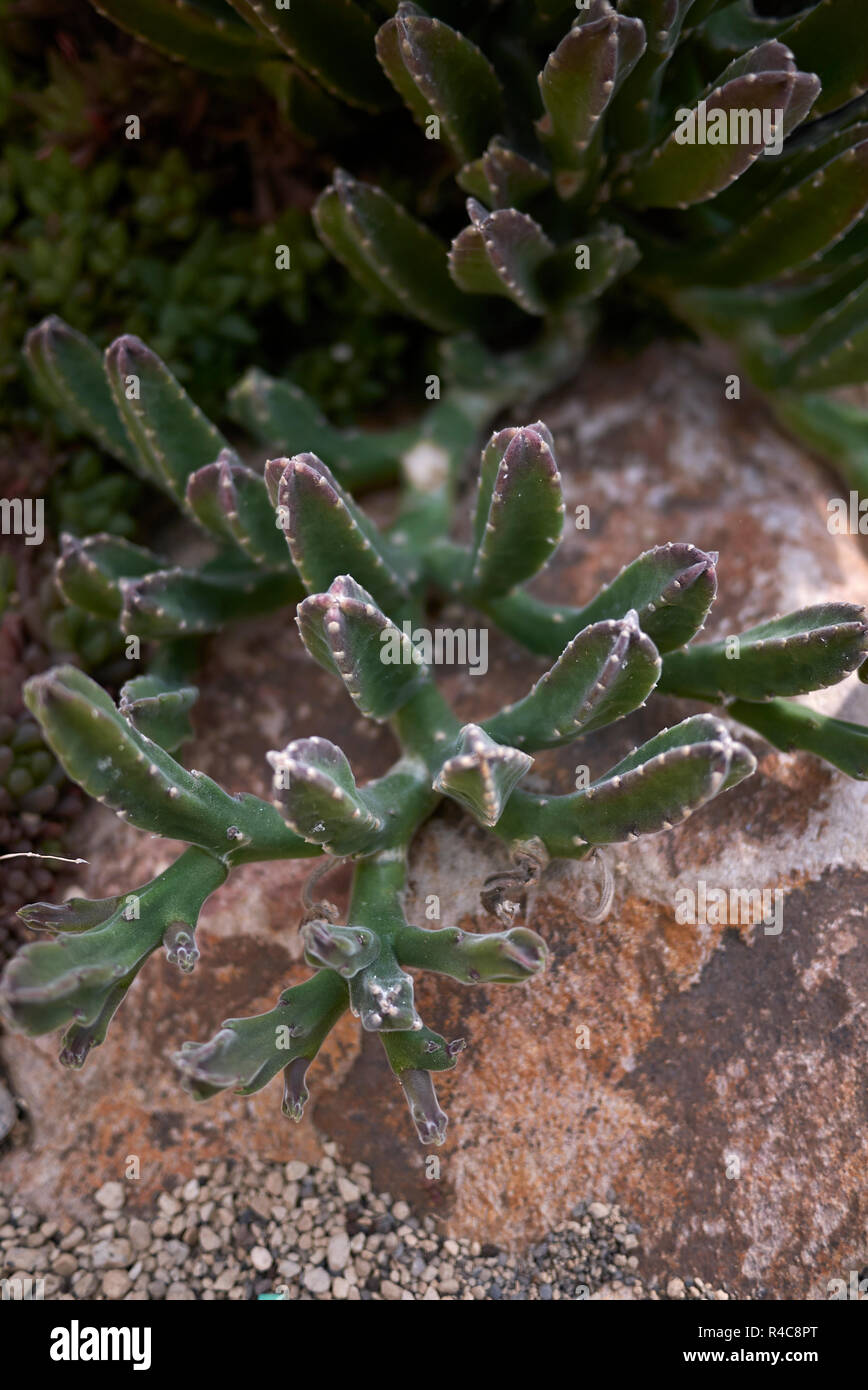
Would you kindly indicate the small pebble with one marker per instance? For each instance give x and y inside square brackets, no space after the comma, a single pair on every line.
[115,1283]
[111,1196]
[240,1230]
[316,1279]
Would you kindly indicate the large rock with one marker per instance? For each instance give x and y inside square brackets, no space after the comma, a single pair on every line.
[722,1092]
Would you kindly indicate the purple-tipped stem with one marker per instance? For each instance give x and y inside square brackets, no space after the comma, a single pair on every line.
[295,1093]
[429,1119]
[76,1048]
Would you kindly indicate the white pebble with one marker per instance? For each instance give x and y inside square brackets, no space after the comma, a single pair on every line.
[316,1280]
[338,1252]
[111,1196]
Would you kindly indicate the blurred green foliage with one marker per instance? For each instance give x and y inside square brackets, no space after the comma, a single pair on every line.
[173,236]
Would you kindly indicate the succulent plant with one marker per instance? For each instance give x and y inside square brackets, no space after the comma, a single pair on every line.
[29,776]
[132,407]
[153,235]
[578,132]
[363,588]
[86,496]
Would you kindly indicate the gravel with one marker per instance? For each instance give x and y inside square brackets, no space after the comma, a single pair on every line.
[243,1230]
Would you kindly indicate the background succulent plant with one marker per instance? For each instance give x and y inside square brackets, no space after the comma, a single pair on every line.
[173,236]
[561,122]
[134,408]
[363,586]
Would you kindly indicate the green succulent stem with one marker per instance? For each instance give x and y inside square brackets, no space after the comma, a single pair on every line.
[375,900]
[198,872]
[543,628]
[80,979]
[790,726]
[471,957]
[322,999]
[426,727]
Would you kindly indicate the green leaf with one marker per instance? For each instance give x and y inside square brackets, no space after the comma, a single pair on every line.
[315,786]
[583,270]
[578,82]
[288,421]
[170,434]
[233,501]
[190,31]
[329,535]
[501,253]
[333,40]
[702,9]
[246,1053]
[136,778]
[90,572]
[635,114]
[834,428]
[81,978]
[390,43]
[500,957]
[412,1057]
[203,499]
[346,950]
[74,915]
[337,231]
[69,369]
[682,171]
[791,726]
[280,415]
[803,651]
[519,510]
[440,72]
[834,352]
[390,253]
[313,116]
[794,228]
[830,39]
[806,152]
[159,710]
[481,774]
[788,307]
[656,787]
[346,632]
[177,602]
[737,27]
[768,57]
[662,20]
[420,1050]
[606,671]
[671,587]
[501,177]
